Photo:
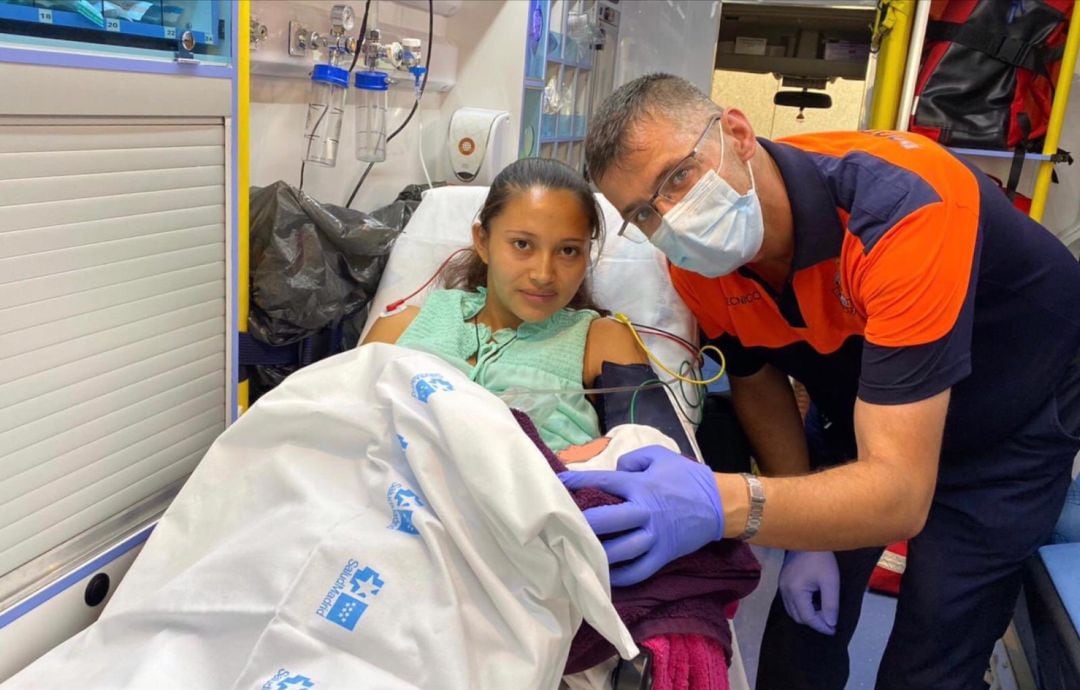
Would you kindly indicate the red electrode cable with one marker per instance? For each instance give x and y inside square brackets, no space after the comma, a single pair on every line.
[394,306]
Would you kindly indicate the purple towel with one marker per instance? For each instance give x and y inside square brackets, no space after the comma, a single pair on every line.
[690,595]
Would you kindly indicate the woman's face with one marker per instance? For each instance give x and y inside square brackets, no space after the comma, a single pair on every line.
[537,252]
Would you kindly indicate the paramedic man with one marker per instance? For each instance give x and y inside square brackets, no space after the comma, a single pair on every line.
[936,329]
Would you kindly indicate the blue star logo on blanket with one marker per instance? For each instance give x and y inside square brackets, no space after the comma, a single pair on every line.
[426,385]
[366,583]
[285,679]
[345,608]
[403,502]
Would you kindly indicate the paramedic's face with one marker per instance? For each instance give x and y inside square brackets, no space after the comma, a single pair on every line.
[658,148]
[537,252]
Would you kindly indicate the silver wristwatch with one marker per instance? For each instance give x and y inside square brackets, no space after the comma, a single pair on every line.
[757,506]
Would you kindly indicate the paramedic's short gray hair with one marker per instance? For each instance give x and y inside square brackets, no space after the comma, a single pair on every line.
[653,95]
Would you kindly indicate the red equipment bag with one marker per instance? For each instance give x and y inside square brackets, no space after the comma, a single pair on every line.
[988,72]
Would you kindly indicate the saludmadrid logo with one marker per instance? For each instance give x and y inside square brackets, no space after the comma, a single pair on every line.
[286,680]
[403,502]
[426,385]
[345,608]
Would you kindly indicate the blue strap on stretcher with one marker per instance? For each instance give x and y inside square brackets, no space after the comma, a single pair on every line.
[255,353]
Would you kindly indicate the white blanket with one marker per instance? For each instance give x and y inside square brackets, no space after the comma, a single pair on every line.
[377,521]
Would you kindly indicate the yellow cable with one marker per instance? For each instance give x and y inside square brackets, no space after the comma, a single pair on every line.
[625,320]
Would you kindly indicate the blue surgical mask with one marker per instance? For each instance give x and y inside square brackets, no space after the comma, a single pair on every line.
[713,230]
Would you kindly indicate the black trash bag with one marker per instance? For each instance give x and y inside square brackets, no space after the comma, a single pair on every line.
[397,213]
[314,271]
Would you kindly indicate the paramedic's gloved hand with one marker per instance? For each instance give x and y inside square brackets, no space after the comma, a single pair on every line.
[803,574]
[672,508]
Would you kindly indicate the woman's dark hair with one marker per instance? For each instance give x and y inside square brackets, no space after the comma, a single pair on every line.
[468,272]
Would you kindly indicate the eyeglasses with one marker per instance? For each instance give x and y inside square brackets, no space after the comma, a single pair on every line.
[645,219]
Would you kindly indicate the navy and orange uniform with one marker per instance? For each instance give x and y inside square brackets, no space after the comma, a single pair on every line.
[911,274]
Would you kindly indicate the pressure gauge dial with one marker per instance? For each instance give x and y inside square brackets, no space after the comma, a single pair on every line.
[342,18]
[187,41]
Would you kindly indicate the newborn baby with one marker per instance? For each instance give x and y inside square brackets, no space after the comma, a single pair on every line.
[603,453]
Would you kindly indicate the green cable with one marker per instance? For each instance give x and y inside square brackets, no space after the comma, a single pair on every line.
[695,373]
[633,398]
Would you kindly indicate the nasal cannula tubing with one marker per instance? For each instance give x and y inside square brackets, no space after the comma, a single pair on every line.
[620,317]
[511,392]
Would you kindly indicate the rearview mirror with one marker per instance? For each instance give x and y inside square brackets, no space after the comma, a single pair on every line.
[802,99]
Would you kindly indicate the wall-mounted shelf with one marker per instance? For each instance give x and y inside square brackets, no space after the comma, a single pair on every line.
[819,42]
[557,81]
[74,20]
[301,69]
[802,67]
[569,63]
[560,140]
[272,57]
[446,8]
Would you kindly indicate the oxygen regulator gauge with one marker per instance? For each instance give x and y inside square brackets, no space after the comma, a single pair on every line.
[187,41]
[342,19]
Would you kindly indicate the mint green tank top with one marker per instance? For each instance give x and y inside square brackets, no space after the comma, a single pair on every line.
[515,363]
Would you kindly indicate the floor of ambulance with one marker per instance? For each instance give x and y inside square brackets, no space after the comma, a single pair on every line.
[867,644]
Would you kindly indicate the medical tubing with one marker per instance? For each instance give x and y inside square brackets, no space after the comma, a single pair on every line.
[420,147]
[360,39]
[682,410]
[700,404]
[416,103]
[511,393]
[723,363]
[363,177]
[397,303]
[686,345]
[697,354]
[638,389]
[685,365]
[311,139]
[647,330]
[652,383]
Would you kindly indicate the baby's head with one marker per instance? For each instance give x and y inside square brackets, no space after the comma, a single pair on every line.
[532,240]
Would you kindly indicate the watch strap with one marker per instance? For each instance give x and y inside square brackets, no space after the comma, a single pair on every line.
[756,492]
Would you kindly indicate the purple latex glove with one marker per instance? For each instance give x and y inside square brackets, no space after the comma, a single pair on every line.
[672,508]
[803,574]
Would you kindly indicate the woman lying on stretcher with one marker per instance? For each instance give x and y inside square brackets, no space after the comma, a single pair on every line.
[516,314]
